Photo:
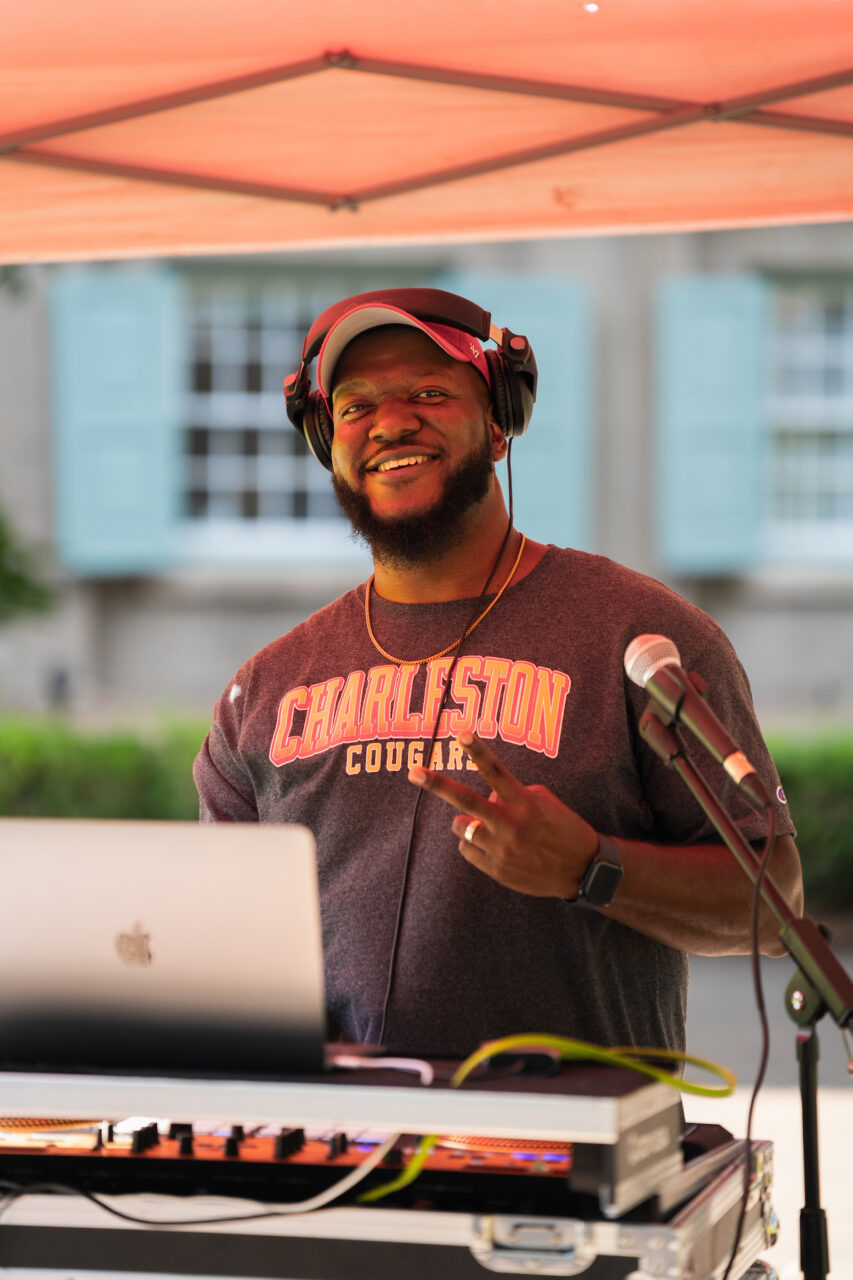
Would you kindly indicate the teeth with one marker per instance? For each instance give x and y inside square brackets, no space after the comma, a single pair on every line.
[394,463]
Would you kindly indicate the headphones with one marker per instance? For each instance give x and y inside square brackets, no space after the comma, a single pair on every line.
[512,367]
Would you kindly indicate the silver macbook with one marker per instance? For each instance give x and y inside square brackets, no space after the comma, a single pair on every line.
[159,947]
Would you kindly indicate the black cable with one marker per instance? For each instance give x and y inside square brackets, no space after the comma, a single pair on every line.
[407,860]
[765,1032]
[61,1188]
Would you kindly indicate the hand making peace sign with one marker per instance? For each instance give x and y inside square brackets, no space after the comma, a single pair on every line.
[523,837]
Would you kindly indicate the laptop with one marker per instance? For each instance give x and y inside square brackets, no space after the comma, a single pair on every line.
[160,947]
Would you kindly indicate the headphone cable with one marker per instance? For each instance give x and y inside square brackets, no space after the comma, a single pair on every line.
[407,860]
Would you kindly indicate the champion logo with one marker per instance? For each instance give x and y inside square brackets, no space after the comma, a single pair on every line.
[780,795]
[474,349]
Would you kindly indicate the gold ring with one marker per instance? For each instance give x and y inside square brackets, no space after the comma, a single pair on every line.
[470,829]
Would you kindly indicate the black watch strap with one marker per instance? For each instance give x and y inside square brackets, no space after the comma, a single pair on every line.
[603,876]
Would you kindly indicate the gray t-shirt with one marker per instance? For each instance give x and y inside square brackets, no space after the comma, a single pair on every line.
[319,728]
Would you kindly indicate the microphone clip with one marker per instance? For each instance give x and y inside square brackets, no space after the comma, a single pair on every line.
[660,732]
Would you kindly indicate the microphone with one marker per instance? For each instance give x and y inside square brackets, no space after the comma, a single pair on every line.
[654,663]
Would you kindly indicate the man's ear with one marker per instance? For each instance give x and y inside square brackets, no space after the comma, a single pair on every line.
[498,439]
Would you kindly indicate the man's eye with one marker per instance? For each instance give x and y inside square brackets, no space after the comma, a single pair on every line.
[350,410]
[430,393]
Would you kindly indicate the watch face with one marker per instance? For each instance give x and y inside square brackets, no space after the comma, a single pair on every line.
[601,882]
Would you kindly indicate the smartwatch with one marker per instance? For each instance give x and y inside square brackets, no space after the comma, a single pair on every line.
[603,876]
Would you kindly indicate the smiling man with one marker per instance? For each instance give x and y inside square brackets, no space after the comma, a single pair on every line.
[497,849]
[412,481]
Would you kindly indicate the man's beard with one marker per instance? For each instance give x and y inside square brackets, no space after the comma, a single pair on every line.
[416,539]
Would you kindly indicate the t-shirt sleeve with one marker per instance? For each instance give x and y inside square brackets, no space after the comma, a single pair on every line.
[729,697]
[225,790]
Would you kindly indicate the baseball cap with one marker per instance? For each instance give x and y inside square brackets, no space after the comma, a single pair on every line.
[369,315]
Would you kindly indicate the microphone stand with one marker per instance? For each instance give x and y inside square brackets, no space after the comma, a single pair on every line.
[819,986]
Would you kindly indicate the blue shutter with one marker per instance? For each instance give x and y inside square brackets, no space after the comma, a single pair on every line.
[711,435]
[116,396]
[552,461]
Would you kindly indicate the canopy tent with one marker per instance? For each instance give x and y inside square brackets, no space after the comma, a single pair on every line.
[212,126]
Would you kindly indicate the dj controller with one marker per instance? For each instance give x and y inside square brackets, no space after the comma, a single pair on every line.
[604,1186]
[273,1164]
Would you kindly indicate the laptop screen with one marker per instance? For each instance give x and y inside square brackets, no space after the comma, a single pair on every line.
[164,947]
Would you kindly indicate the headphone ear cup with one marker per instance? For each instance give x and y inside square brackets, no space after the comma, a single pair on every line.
[522,410]
[498,390]
[512,399]
[318,429]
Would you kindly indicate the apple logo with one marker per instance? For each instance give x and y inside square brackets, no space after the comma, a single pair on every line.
[134,948]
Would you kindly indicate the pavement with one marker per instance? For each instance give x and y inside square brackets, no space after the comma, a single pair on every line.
[722,1024]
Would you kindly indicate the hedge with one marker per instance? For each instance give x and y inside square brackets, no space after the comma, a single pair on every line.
[49,770]
[817,775]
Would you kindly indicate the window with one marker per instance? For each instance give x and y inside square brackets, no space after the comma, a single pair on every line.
[243,461]
[810,417]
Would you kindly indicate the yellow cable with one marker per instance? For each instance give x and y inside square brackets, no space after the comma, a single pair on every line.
[619,1057]
[568,1049]
[411,1171]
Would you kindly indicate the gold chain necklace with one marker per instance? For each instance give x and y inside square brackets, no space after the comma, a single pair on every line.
[416,662]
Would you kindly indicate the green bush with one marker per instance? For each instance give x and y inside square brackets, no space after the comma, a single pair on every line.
[20,589]
[49,770]
[817,775]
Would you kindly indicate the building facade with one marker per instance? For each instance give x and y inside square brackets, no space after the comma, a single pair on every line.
[694,420]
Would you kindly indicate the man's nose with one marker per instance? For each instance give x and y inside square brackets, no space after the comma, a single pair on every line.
[394,418]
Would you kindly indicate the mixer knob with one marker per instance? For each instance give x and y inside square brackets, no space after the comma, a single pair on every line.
[336,1145]
[288,1142]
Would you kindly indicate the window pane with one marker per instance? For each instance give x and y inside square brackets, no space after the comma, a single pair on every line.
[811,408]
[323,506]
[243,460]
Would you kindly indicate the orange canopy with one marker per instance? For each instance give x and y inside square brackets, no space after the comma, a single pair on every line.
[195,126]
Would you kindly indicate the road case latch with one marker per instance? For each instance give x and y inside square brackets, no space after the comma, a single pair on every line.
[537,1246]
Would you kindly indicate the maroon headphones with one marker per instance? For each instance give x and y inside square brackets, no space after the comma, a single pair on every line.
[512,366]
